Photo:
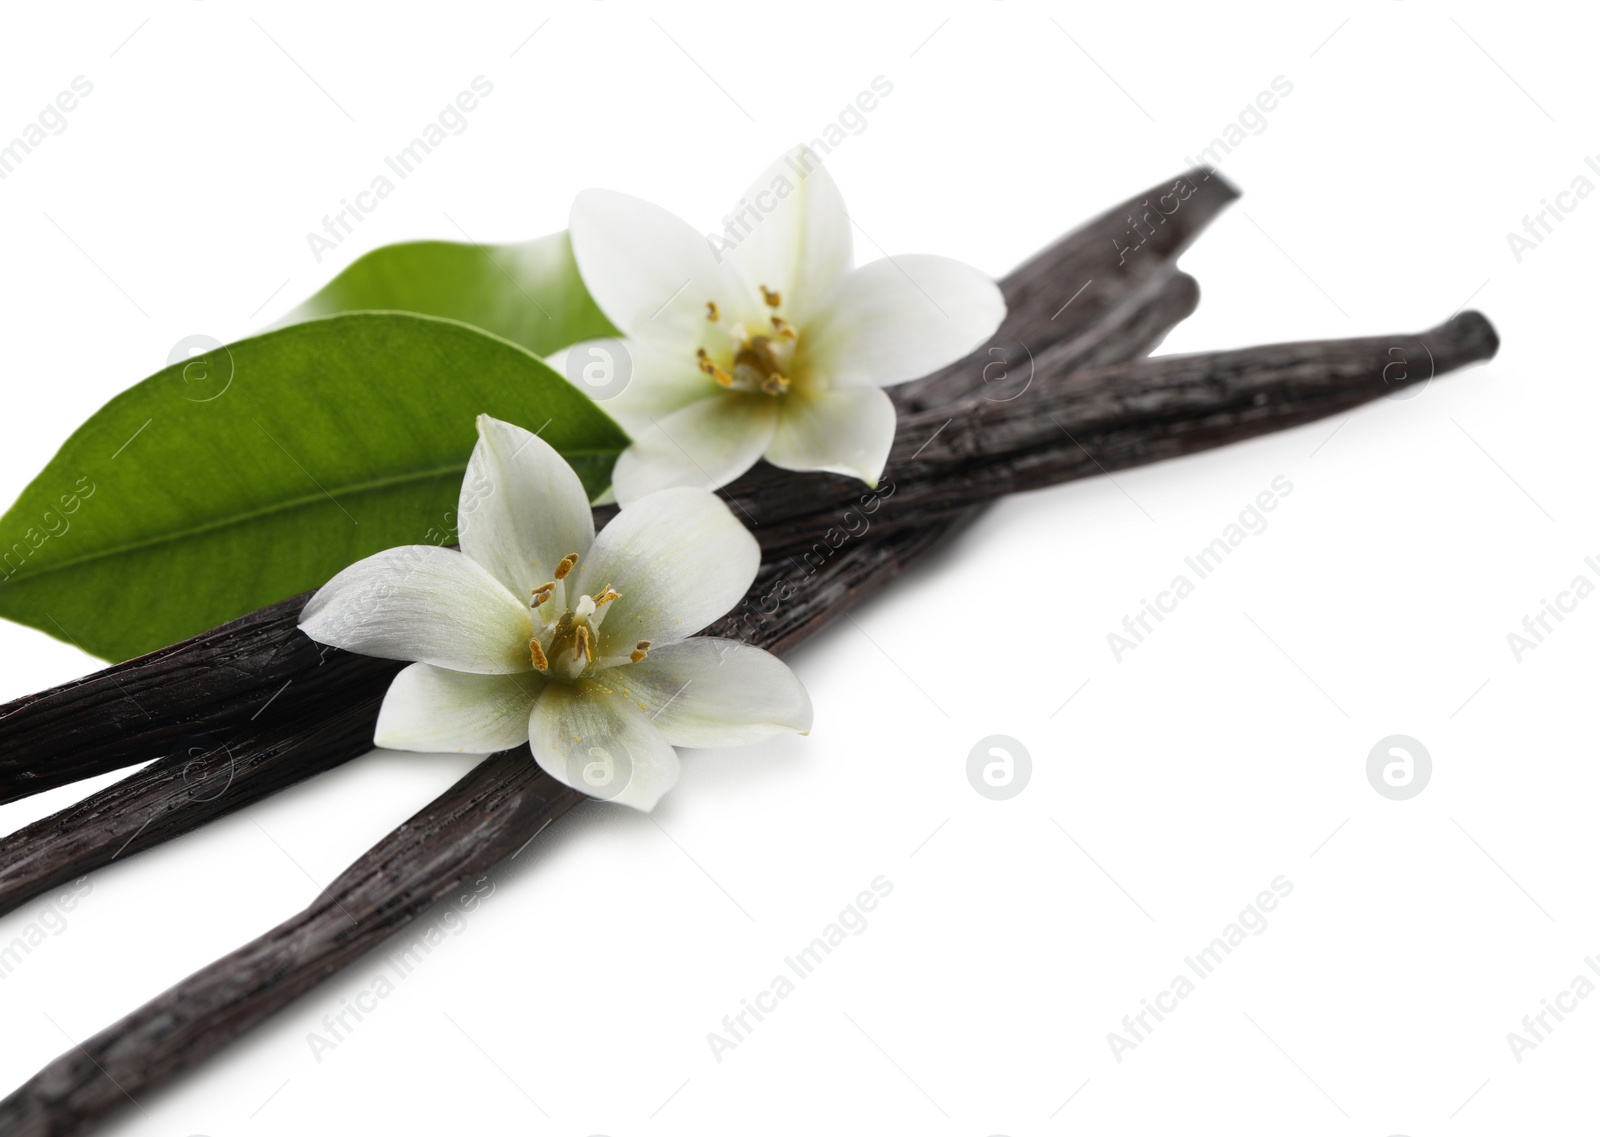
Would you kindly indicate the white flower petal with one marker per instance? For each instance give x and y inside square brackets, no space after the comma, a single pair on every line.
[422,602]
[711,692]
[796,243]
[898,319]
[522,507]
[846,431]
[437,711]
[585,737]
[659,383]
[679,558]
[706,444]
[649,272]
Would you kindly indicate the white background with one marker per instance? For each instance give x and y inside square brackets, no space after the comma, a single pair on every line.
[1226,750]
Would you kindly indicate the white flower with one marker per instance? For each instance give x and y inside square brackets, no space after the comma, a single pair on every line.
[540,631]
[764,342]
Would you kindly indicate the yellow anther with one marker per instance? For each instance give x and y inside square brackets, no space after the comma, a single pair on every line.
[711,311]
[773,299]
[582,645]
[537,652]
[605,596]
[565,566]
[543,592]
[784,328]
[775,384]
[711,369]
[640,650]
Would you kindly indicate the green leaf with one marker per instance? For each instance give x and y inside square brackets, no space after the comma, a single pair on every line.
[529,293]
[259,470]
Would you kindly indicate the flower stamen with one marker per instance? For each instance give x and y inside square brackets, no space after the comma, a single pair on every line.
[543,592]
[722,377]
[537,652]
[759,362]
[565,566]
[712,315]
[605,596]
[640,650]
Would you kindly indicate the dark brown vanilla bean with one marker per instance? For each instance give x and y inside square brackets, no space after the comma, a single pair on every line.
[1087,287]
[1080,281]
[1126,333]
[1149,409]
[246,670]
[486,816]
[205,778]
[1185,403]
[1125,415]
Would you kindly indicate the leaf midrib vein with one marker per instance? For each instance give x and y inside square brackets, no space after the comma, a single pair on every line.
[288,505]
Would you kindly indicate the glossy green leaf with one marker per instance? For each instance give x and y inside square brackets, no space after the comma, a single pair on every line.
[528,293]
[261,469]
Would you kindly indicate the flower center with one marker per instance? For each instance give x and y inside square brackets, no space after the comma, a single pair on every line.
[566,639]
[742,360]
